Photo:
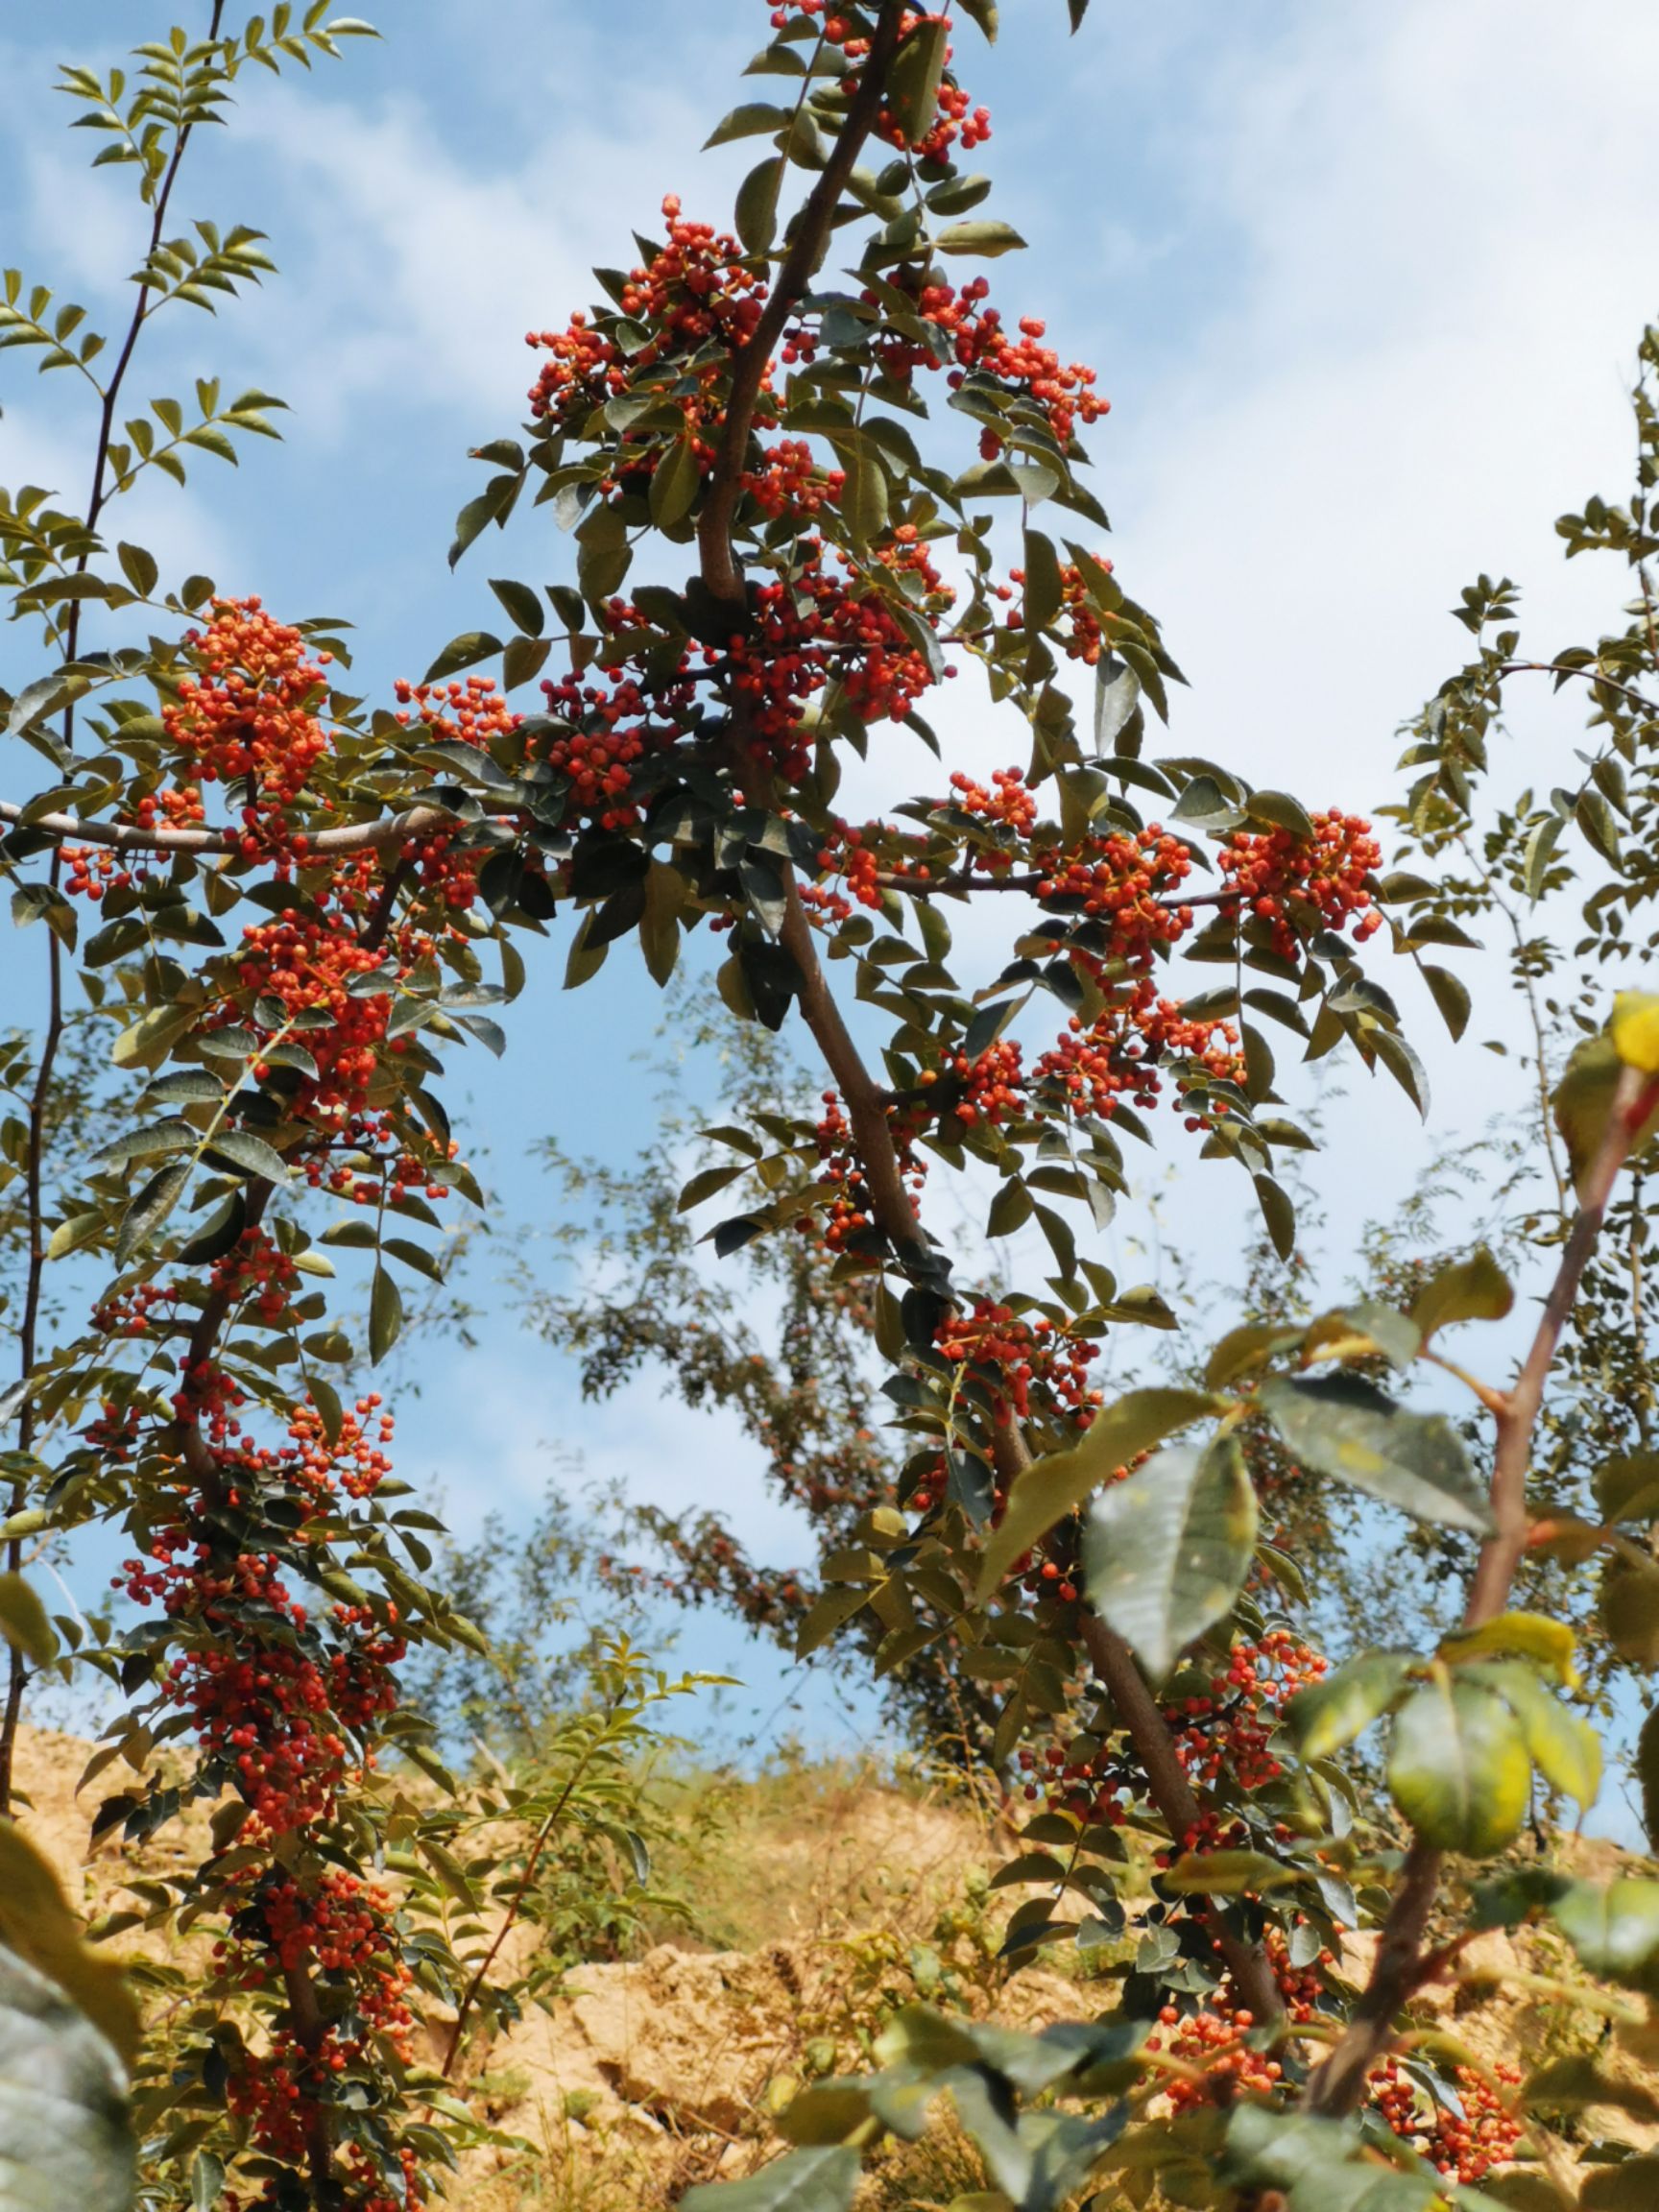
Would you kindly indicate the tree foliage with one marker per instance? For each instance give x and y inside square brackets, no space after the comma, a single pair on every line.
[800,476]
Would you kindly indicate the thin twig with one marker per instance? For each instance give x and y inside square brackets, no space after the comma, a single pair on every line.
[1401,1967]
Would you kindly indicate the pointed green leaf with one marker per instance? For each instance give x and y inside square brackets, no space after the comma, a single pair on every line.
[1564,1746]
[1472,1289]
[24,1622]
[385,1315]
[815,2180]
[1343,1427]
[241,1149]
[1052,1487]
[462,652]
[1167,1550]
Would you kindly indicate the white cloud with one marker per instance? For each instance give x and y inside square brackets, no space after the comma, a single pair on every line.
[424,271]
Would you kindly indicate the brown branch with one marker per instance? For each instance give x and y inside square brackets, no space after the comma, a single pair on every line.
[515,1903]
[720,568]
[28,1339]
[1590,674]
[1166,1780]
[309,2030]
[1400,1968]
[867,1105]
[127,837]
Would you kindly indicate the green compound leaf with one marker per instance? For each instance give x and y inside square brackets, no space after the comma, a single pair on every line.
[1458,1767]
[1343,1427]
[1167,1550]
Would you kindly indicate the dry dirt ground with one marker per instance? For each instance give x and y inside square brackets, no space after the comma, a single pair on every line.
[821,1900]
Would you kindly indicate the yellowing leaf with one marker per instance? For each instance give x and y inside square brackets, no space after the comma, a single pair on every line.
[1458,1767]
[37,1924]
[1530,1635]
[1635,1029]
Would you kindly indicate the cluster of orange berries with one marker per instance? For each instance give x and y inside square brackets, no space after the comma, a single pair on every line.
[127,1314]
[1092,1065]
[1007,802]
[1215,2040]
[808,631]
[991,1085]
[93,871]
[694,290]
[378,1167]
[1464,2146]
[1331,873]
[277,1716]
[355,1460]
[606,729]
[956,117]
[837,28]
[1130,880]
[1228,1729]
[1079,1777]
[1012,1357]
[305,960]
[248,711]
[258,1275]
[1215,2037]
[468,713]
[790,481]
[848,1214]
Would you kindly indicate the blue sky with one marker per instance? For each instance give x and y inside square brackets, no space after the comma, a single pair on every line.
[1362,282]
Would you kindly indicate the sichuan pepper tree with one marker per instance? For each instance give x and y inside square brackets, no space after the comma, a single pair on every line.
[752,404]
[756,396]
[248,906]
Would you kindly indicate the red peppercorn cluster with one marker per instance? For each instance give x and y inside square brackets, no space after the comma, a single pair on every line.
[791,481]
[850,1212]
[1007,802]
[1015,1359]
[127,1314]
[696,290]
[1328,876]
[1078,1777]
[1092,1065]
[606,729]
[956,118]
[466,713]
[1227,1729]
[1465,2147]
[988,1089]
[258,1277]
[1215,2040]
[248,711]
[808,631]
